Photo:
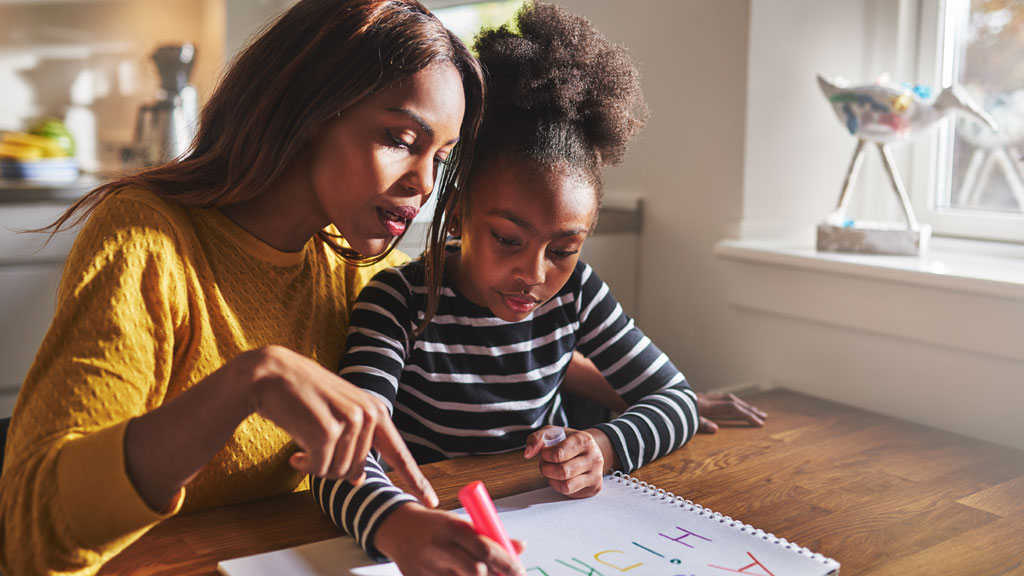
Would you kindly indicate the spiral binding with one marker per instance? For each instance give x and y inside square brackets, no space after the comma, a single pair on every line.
[691,506]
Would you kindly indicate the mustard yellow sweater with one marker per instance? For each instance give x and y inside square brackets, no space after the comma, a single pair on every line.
[154,297]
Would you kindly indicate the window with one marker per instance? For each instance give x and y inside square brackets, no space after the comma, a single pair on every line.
[970,181]
[466,19]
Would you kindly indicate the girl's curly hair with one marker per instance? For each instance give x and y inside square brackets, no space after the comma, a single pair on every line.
[559,93]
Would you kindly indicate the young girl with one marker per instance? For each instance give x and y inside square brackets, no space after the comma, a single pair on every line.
[483,374]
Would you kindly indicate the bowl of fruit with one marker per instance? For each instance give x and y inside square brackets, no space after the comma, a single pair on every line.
[45,153]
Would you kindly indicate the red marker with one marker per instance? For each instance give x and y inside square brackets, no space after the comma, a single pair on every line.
[478,503]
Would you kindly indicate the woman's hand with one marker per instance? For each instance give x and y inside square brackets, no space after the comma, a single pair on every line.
[716,407]
[574,466]
[426,542]
[333,422]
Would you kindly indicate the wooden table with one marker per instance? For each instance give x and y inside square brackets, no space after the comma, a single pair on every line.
[880,495]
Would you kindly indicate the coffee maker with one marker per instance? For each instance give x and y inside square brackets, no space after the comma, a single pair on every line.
[165,128]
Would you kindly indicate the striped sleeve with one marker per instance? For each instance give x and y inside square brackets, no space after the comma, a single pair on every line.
[662,414]
[378,336]
[374,361]
[359,510]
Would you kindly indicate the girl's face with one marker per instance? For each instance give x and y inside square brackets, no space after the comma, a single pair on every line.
[522,233]
[373,166]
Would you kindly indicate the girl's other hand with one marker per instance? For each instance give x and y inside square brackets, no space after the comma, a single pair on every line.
[717,407]
[574,466]
[426,542]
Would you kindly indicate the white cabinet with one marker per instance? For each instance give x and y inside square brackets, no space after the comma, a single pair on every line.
[25,311]
[29,275]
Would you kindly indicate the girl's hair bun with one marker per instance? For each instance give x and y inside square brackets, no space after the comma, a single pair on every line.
[558,90]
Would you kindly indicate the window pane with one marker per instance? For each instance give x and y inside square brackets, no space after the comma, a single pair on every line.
[467,20]
[988,168]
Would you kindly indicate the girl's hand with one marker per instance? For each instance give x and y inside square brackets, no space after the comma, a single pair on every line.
[426,542]
[716,407]
[333,422]
[574,466]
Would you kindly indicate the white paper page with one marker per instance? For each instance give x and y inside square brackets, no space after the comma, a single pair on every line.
[623,528]
[337,556]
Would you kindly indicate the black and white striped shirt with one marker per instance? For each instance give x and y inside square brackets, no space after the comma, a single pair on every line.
[475,384]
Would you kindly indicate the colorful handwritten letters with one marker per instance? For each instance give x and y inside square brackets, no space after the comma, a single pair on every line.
[656,557]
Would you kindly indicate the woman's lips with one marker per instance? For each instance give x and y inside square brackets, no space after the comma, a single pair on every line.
[404,212]
[395,227]
[397,219]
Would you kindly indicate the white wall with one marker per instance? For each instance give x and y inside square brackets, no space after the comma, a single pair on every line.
[796,155]
[688,165]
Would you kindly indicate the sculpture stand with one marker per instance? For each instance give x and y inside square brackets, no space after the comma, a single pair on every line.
[838,234]
[872,238]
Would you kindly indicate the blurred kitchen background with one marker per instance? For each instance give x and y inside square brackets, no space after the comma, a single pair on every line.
[90,63]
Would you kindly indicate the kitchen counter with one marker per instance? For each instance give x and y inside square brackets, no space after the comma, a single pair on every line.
[26,191]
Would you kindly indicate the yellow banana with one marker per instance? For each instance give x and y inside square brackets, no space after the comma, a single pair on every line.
[49,148]
[19,152]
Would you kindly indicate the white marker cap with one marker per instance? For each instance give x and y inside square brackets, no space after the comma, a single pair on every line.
[553,436]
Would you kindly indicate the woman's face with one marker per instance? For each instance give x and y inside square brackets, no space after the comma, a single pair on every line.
[521,236]
[374,165]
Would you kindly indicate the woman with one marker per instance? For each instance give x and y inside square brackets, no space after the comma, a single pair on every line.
[202,298]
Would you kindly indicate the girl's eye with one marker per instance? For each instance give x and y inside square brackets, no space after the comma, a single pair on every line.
[504,241]
[562,254]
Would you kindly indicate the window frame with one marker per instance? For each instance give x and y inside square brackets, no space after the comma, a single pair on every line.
[935,29]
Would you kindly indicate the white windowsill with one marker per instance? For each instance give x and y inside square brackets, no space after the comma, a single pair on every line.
[970,266]
[962,295]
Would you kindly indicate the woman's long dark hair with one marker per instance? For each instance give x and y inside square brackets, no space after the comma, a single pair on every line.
[319,58]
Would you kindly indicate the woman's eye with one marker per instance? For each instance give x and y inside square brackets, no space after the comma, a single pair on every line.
[562,254]
[398,142]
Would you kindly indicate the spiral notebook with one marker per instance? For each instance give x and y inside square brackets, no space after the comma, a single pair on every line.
[629,527]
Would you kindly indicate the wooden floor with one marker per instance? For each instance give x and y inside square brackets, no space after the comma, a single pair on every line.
[879,495]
